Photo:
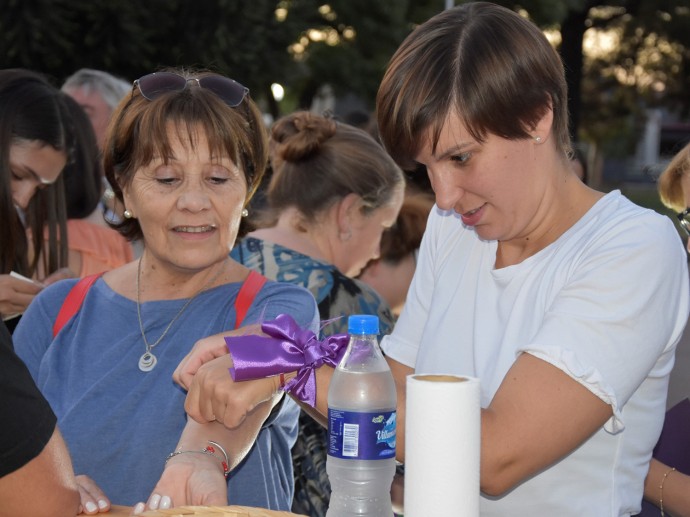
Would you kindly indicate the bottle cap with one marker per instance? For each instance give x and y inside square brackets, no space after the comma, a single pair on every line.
[363,324]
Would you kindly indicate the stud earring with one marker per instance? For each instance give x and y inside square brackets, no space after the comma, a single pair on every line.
[128,214]
[245,212]
[537,139]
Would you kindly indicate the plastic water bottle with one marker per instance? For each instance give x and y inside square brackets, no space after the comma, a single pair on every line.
[361,426]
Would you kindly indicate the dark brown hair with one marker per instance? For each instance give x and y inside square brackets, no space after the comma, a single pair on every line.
[31,109]
[491,66]
[139,132]
[317,161]
[83,177]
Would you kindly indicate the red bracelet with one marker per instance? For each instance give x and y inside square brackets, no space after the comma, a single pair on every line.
[282,381]
[209,450]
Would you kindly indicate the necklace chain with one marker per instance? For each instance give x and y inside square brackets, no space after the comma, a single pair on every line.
[150,347]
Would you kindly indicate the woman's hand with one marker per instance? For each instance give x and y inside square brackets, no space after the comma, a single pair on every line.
[206,350]
[93,500]
[213,395]
[60,274]
[16,294]
[190,478]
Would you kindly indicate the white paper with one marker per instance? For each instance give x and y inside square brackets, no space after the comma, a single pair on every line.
[14,274]
[442,446]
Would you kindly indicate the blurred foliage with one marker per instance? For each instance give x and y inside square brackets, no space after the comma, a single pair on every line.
[304,44]
[649,66]
[247,40]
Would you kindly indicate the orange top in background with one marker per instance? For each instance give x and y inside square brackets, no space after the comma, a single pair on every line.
[101,248]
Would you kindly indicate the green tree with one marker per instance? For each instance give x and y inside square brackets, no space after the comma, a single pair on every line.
[257,42]
[304,44]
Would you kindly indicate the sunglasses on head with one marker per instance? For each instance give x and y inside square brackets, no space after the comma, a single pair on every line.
[156,84]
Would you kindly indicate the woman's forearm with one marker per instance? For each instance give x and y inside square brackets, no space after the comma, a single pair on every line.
[236,442]
[676,489]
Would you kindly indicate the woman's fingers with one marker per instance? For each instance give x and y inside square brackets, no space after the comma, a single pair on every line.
[206,350]
[60,274]
[159,502]
[155,502]
[16,293]
[93,500]
[203,351]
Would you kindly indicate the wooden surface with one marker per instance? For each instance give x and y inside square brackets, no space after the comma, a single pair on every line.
[200,511]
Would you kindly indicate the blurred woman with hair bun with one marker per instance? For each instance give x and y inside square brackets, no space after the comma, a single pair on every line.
[333,192]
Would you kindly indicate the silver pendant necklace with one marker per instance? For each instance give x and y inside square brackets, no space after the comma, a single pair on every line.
[148,360]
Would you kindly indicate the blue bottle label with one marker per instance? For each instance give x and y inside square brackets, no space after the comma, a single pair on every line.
[361,436]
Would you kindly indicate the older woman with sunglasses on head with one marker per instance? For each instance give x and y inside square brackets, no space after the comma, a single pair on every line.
[184,154]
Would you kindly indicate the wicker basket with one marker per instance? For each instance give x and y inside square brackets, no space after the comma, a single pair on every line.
[209,511]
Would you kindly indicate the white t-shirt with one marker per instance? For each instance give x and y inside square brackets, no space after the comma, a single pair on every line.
[606,303]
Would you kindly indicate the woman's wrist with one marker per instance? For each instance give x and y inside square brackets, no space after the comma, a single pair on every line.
[288,349]
[284,379]
[213,451]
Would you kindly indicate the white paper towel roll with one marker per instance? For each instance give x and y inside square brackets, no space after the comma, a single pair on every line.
[442,439]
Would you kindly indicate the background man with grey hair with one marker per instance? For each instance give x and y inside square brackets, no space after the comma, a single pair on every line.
[99,92]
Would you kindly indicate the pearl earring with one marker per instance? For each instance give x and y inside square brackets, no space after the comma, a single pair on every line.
[245,212]
[128,214]
[537,139]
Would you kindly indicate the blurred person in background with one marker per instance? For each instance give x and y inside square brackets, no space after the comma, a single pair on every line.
[674,188]
[98,93]
[332,194]
[670,466]
[94,247]
[35,145]
[391,273]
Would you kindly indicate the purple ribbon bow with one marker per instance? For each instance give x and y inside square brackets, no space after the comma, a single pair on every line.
[286,348]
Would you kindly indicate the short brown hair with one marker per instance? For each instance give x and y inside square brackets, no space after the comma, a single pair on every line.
[493,67]
[139,132]
[317,161]
[669,184]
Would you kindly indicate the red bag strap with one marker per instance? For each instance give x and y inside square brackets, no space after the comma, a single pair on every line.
[73,301]
[250,288]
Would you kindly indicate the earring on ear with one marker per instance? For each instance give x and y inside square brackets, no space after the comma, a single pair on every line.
[245,212]
[128,214]
[537,139]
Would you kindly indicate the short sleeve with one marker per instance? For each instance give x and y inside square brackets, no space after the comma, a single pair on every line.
[621,314]
[403,343]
